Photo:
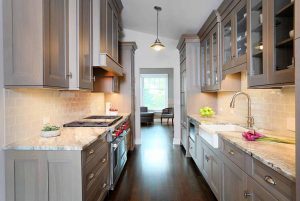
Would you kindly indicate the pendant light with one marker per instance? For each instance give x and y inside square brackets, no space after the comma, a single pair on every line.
[157,45]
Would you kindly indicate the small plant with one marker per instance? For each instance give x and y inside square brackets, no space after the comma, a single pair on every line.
[49,127]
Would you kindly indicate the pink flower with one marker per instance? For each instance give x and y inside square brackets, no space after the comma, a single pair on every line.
[251,136]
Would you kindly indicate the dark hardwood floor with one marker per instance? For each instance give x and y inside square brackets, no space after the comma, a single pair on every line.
[158,171]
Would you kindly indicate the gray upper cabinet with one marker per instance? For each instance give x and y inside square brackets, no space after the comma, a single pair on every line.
[85,44]
[233,35]
[35,43]
[106,29]
[210,53]
[271,58]
[41,43]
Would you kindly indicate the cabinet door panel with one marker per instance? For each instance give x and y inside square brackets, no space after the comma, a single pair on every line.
[115,38]
[227,38]
[206,163]
[85,47]
[281,67]
[257,42]
[23,59]
[55,43]
[234,181]
[109,27]
[240,33]
[215,181]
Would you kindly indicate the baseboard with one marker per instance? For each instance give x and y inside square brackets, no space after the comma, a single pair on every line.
[176,141]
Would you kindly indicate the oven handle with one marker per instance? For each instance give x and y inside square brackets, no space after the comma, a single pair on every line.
[116,145]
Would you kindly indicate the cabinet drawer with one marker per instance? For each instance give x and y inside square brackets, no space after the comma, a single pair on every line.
[234,154]
[278,185]
[100,187]
[93,177]
[92,151]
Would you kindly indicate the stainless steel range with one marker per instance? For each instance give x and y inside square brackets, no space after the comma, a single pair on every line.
[116,139]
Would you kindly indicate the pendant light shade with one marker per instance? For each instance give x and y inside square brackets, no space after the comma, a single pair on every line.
[157,45]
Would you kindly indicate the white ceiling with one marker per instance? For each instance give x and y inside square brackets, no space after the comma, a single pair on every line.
[177,16]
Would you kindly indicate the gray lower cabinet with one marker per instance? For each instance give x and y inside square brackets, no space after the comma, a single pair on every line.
[211,170]
[234,181]
[58,175]
[256,193]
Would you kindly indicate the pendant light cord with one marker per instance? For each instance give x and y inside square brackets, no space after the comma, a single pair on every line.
[157,25]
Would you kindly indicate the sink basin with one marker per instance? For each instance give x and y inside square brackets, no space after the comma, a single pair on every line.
[210,132]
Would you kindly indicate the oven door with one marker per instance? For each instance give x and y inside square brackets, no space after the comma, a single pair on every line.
[118,152]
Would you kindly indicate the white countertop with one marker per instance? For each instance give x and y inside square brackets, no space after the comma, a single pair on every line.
[71,138]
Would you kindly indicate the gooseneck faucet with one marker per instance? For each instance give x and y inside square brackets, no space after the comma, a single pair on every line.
[250,119]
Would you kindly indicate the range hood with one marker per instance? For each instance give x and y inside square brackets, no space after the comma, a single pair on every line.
[110,65]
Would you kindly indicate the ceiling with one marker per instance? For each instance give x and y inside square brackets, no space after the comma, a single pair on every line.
[177,16]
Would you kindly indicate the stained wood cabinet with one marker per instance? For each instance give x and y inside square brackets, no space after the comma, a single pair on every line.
[40,43]
[233,35]
[271,58]
[77,175]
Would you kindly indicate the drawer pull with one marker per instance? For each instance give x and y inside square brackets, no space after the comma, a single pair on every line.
[270,180]
[91,176]
[104,185]
[103,160]
[231,152]
[246,194]
[91,151]
[207,158]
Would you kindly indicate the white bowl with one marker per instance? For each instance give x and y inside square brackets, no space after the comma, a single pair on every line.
[48,134]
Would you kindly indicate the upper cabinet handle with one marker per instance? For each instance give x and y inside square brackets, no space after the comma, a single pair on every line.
[270,180]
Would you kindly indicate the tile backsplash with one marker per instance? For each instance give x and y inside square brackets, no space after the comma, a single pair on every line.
[26,110]
[273,109]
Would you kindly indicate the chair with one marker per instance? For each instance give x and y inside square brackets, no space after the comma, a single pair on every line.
[167,113]
[146,117]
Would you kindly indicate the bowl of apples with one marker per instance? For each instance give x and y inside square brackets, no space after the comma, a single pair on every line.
[206,112]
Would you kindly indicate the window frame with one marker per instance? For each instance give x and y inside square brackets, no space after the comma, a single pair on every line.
[162,75]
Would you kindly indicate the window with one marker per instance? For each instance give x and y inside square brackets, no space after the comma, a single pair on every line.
[154,91]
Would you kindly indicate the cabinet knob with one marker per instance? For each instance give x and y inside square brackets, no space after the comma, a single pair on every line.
[69,75]
[247,194]
[270,180]
[91,151]
[103,160]
[104,185]
[231,152]
[91,176]
[207,158]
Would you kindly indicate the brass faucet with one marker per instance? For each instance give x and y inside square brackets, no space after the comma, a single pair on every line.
[250,119]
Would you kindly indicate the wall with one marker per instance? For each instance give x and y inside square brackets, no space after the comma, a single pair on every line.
[170,73]
[2,175]
[27,109]
[145,57]
[272,109]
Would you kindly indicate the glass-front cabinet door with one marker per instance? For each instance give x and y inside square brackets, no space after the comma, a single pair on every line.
[227,38]
[240,34]
[202,64]
[208,63]
[215,70]
[281,41]
[257,51]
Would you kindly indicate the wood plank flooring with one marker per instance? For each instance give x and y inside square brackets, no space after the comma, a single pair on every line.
[158,171]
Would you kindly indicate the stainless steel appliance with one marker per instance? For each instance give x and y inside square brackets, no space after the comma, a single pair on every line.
[95,121]
[118,152]
[116,139]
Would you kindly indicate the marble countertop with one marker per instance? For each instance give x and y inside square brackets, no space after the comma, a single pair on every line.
[278,156]
[75,138]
